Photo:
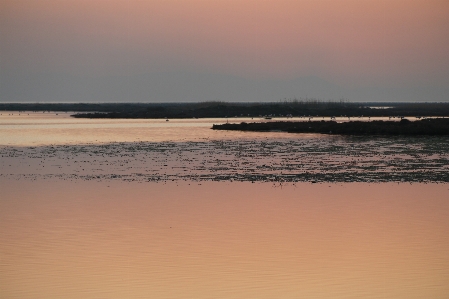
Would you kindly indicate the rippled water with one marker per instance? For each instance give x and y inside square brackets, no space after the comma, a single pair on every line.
[156,209]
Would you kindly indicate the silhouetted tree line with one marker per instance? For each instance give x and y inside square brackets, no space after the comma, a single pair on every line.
[301,107]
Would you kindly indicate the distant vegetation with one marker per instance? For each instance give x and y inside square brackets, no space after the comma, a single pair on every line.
[294,107]
[404,127]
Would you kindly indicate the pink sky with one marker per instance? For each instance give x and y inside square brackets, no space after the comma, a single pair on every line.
[349,43]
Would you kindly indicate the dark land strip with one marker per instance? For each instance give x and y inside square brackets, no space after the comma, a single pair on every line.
[439,126]
[293,108]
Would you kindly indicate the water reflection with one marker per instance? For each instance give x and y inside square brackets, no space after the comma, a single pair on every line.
[223,240]
[40,129]
[127,209]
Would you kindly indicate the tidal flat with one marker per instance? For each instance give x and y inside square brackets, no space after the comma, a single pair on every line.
[156,209]
[313,158]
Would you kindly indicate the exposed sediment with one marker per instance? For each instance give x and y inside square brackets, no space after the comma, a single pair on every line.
[316,158]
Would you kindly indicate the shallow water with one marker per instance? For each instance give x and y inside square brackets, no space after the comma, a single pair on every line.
[40,129]
[223,240]
[155,209]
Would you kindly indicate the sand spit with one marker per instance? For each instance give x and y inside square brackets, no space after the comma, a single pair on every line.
[433,126]
[330,159]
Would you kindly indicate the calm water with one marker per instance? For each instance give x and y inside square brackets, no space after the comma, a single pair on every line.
[36,129]
[156,209]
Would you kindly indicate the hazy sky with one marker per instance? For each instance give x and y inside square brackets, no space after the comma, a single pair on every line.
[229,50]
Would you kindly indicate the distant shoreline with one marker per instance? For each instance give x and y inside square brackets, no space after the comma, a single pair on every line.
[295,108]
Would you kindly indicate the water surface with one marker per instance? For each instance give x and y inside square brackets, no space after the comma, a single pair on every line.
[157,209]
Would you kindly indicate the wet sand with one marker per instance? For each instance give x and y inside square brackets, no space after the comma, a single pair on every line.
[223,240]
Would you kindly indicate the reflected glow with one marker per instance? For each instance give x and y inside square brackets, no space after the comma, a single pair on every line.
[190,240]
[38,129]
[47,129]
[73,225]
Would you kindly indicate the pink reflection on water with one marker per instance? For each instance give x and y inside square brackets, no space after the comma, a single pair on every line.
[39,129]
[223,240]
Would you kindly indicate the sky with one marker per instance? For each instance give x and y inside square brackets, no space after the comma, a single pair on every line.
[223,50]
